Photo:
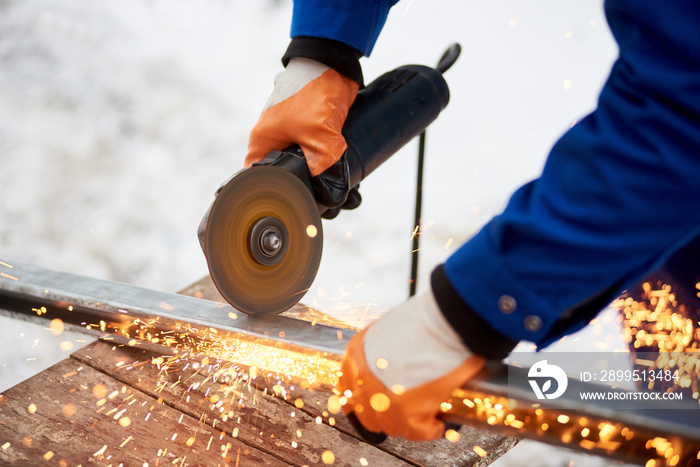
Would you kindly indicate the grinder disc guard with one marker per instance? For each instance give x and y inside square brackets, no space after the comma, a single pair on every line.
[265,235]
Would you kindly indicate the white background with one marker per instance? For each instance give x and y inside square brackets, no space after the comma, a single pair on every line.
[119,119]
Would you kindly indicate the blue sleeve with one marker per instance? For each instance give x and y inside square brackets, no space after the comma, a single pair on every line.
[620,191]
[353,22]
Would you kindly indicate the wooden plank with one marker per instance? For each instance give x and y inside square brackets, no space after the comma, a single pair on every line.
[439,452]
[263,417]
[260,419]
[315,403]
[72,414]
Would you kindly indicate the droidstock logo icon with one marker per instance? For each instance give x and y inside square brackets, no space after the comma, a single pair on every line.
[540,377]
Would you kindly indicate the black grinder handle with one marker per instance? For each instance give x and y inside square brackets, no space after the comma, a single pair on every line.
[390,112]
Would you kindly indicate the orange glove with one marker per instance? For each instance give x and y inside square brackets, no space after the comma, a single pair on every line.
[308,107]
[400,369]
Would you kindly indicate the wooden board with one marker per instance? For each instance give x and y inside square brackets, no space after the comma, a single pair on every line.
[112,405]
[440,452]
[73,414]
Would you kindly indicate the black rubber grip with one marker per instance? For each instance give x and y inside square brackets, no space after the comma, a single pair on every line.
[370,436]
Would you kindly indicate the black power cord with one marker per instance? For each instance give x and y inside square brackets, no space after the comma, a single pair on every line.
[446,61]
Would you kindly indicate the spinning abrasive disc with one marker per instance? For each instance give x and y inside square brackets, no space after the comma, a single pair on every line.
[263,240]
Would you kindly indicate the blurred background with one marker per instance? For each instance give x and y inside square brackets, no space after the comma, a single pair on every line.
[118,120]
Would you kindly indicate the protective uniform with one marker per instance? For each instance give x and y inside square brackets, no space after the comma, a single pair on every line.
[617,197]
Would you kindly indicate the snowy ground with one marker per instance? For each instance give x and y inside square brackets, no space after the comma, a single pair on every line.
[119,119]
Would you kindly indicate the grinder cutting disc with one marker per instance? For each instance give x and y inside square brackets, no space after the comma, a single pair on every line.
[263,240]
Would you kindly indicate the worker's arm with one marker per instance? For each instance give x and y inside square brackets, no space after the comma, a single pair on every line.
[618,194]
[617,197]
[322,60]
[356,23]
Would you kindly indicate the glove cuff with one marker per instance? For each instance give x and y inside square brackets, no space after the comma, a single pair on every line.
[341,57]
[476,333]
[391,344]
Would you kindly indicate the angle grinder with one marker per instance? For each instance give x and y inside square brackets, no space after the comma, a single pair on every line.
[262,236]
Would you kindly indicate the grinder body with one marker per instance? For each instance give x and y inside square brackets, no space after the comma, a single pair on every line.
[387,114]
[262,236]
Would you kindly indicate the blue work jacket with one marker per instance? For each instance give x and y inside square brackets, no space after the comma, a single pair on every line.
[619,191]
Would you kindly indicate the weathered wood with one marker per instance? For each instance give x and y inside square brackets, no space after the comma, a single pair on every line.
[441,452]
[72,414]
[258,418]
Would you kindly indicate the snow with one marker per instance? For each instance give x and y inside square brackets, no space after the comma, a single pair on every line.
[118,120]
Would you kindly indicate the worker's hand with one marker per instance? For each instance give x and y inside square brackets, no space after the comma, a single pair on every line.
[397,372]
[308,107]
[353,200]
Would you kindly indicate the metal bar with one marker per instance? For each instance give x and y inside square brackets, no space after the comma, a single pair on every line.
[132,314]
[509,382]
[598,427]
[92,301]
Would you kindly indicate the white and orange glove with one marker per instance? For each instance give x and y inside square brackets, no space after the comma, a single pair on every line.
[308,107]
[398,371]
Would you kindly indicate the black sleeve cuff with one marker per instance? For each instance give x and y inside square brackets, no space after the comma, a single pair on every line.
[341,57]
[476,334]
